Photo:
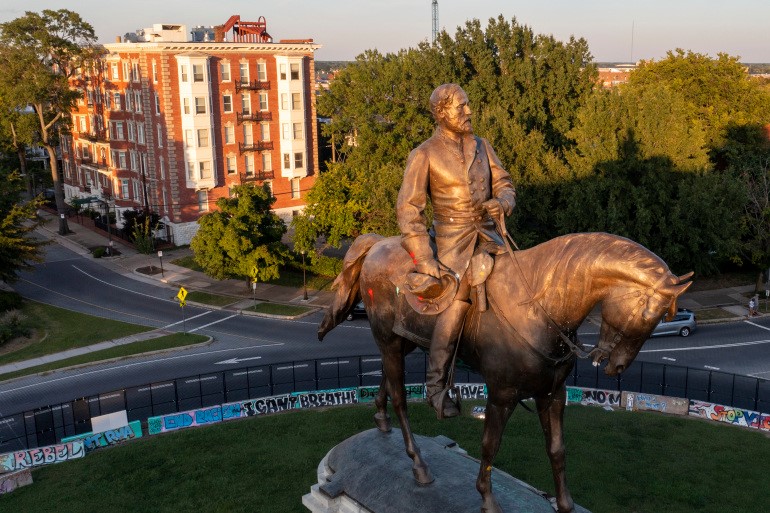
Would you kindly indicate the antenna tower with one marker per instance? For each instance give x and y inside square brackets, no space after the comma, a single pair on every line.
[435,21]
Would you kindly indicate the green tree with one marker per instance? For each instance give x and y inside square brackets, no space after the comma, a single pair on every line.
[242,234]
[17,219]
[39,54]
[524,90]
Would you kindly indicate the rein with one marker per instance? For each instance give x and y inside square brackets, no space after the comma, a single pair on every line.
[574,349]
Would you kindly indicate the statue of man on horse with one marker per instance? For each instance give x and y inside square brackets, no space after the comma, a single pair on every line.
[470,191]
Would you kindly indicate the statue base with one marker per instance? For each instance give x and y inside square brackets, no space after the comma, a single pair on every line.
[371,473]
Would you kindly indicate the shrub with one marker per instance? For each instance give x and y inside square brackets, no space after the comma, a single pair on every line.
[13,324]
[9,300]
[325,266]
[99,252]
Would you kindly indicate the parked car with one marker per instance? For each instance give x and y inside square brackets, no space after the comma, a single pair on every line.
[357,311]
[682,324]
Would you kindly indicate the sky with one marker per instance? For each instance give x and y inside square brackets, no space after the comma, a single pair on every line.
[616,31]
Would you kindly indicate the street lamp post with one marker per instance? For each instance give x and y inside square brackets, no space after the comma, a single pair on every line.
[304,278]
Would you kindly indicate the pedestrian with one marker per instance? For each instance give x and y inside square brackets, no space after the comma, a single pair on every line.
[752,306]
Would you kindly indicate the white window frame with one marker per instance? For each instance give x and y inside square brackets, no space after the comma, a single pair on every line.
[224,71]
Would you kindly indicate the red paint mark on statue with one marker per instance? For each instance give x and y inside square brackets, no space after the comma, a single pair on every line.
[371,293]
[414,260]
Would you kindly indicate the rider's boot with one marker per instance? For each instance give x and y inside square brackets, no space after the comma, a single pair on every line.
[442,344]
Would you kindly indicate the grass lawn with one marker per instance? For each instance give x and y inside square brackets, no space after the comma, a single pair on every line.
[144,346]
[707,314]
[278,309]
[617,462]
[188,262]
[211,299]
[57,329]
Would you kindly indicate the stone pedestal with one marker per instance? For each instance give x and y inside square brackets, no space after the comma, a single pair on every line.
[371,473]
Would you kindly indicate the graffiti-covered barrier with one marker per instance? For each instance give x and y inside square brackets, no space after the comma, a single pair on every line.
[729,415]
[19,460]
[13,480]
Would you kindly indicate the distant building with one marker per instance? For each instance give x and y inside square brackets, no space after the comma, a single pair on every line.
[613,76]
[170,121]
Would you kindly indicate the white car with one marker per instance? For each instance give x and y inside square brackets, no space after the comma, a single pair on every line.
[682,324]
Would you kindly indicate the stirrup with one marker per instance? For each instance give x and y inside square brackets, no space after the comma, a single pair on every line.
[445,402]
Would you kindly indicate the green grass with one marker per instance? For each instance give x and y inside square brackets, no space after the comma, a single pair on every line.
[58,329]
[156,344]
[617,462]
[188,262]
[278,309]
[707,314]
[211,299]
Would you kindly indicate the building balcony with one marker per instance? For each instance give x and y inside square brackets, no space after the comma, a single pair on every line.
[259,176]
[254,116]
[254,85]
[257,146]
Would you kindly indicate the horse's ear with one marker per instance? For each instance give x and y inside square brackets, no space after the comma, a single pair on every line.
[685,277]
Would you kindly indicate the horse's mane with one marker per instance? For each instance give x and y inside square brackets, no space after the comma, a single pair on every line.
[571,263]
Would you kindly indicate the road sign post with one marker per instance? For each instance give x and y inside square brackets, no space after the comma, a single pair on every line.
[253,275]
[181,295]
[160,256]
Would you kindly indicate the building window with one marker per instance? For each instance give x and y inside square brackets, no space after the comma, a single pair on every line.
[203,201]
[244,70]
[122,160]
[248,134]
[295,71]
[183,73]
[200,105]
[297,130]
[154,72]
[229,134]
[203,138]
[262,71]
[116,97]
[298,160]
[118,134]
[114,68]
[296,101]
[136,189]
[227,103]
[134,161]
[135,72]
[284,101]
[131,133]
[248,165]
[124,188]
[246,104]
[197,72]
[286,161]
[160,136]
[157,104]
[140,133]
[267,162]
[295,188]
[162,168]
[204,170]
[186,105]
[138,101]
[263,101]
[188,140]
[126,72]
[230,163]
[128,100]
[283,71]
[264,131]
[224,70]
[285,134]
[191,170]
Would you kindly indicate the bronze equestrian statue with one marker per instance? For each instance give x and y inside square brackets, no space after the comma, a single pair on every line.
[519,331]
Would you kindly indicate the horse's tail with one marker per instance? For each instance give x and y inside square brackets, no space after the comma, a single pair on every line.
[346,283]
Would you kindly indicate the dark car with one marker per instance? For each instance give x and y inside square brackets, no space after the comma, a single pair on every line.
[682,324]
[357,311]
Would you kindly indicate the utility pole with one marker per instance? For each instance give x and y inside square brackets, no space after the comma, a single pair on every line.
[435,21]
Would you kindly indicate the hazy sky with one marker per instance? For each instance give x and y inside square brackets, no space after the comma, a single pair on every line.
[619,30]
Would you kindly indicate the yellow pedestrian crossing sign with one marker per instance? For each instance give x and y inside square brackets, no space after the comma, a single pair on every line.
[253,273]
[181,295]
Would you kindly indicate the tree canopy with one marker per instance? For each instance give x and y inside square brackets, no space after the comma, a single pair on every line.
[39,54]
[242,234]
[17,219]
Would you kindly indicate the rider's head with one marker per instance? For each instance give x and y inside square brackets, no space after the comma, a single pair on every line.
[449,106]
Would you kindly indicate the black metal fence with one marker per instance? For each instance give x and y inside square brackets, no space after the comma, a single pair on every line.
[48,424]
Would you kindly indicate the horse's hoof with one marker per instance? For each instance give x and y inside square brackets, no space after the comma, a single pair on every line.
[422,475]
[382,420]
[490,505]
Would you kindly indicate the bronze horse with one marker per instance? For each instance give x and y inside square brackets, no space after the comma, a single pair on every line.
[524,344]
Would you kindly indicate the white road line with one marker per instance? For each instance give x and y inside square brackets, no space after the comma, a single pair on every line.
[188,319]
[122,288]
[709,367]
[757,325]
[99,371]
[717,346]
[212,323]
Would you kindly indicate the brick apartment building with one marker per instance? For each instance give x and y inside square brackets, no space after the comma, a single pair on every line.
[170,121]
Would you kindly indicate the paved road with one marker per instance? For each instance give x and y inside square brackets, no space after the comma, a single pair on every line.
[71,281]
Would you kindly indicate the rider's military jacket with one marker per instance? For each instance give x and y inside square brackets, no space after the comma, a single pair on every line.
[457,184]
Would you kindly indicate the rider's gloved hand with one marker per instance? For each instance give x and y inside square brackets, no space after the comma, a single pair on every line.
[494,208]
[430,267]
